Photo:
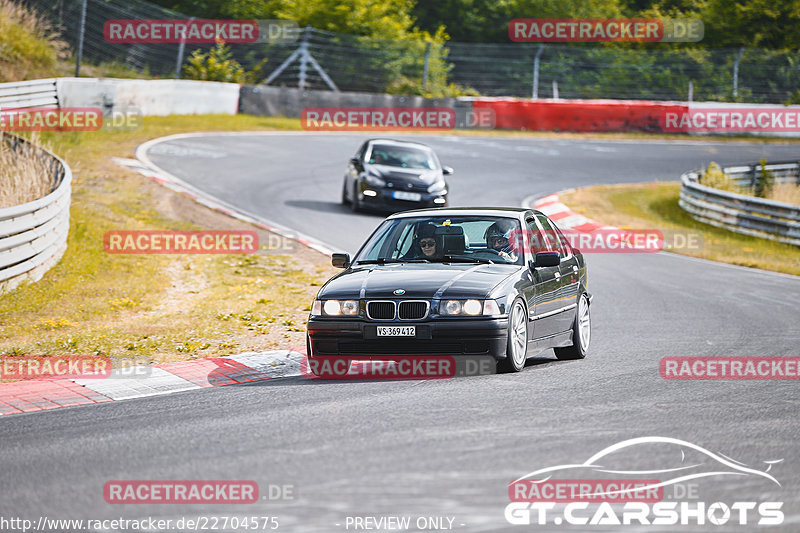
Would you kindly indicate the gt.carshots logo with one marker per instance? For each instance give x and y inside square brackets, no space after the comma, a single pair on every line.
[575,494]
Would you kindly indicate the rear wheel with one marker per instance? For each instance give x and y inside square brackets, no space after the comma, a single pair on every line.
[517,344]
[581,332]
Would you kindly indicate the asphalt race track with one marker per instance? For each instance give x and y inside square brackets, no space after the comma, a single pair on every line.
[445,448]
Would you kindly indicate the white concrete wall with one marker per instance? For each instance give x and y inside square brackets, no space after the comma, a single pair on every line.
[150,97]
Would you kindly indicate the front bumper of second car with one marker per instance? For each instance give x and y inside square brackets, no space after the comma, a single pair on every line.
[456,336]
[387,198]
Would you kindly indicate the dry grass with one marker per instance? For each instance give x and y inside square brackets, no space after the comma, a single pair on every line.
[24,175]
[785,192]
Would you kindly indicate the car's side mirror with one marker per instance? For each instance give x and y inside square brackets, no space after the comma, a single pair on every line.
[447,170]
[546,259]
[340,260]
[355,162]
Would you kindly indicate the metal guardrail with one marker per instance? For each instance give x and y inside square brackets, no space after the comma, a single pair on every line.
[34,235]
[33,93]
[741,213]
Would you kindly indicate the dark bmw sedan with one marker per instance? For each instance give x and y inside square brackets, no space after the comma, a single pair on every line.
[459,281]
[394,176]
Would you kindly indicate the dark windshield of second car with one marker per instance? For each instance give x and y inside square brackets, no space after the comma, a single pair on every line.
[403,156]
[480,239]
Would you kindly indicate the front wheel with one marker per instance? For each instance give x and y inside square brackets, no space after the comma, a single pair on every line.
[354,203]
[517,344]
[345,201]
[581,332]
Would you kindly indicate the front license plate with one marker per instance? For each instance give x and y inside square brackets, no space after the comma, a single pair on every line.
[403,195]
[396,331]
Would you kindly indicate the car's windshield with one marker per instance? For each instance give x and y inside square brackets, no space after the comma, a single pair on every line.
[403,156]
[444,239]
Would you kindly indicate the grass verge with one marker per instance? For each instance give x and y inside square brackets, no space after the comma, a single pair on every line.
[655,206]
[156,307]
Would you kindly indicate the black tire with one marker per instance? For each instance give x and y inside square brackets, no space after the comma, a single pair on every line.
[355,206]
[580,342]
[517,343]
[345,201]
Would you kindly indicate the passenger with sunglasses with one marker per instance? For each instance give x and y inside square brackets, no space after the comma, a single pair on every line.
[426,244]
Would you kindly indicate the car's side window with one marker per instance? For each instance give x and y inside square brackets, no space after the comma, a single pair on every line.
[566,247]
[536,240]
[550,235]
[360,154]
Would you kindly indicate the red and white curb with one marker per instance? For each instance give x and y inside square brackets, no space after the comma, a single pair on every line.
[563,216]
[38,395]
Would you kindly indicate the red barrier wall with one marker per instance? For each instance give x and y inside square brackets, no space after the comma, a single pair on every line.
[578,115]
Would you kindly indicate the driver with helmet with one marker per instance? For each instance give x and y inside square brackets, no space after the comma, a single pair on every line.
[498,237]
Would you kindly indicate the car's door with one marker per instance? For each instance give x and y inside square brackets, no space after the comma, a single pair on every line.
[570,280]
[542,304]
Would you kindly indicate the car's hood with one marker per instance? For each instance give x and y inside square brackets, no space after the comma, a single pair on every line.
[420,175]
[423,280]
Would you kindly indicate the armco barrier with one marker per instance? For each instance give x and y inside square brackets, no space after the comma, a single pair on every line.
[33,236]
[34,93]
[740,213]
[577,115]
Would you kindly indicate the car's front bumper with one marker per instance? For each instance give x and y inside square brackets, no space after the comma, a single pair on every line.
[384,199]
[456,336]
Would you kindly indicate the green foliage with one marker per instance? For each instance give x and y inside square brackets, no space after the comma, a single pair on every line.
[765,181]
[218,65]
[714,177]
[29,49]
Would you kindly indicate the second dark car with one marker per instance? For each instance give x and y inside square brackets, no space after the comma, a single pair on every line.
[390,175]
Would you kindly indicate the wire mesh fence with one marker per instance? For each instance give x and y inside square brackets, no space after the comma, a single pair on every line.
[358,63]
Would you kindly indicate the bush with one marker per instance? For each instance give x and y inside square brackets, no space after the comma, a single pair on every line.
[765,181]
[218,65]
[714,177]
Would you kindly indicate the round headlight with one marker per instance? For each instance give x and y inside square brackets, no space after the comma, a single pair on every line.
[452,307]
[350,307]
[472,307]
[332,307]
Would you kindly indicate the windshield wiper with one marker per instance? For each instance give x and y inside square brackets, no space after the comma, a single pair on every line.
[384,261]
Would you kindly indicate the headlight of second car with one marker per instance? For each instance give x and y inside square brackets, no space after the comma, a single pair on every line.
[469,308]
[374,180]
[437,186]
[335,308]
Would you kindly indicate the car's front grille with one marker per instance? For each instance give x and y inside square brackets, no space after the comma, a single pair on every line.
[413,310]
[380,310]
